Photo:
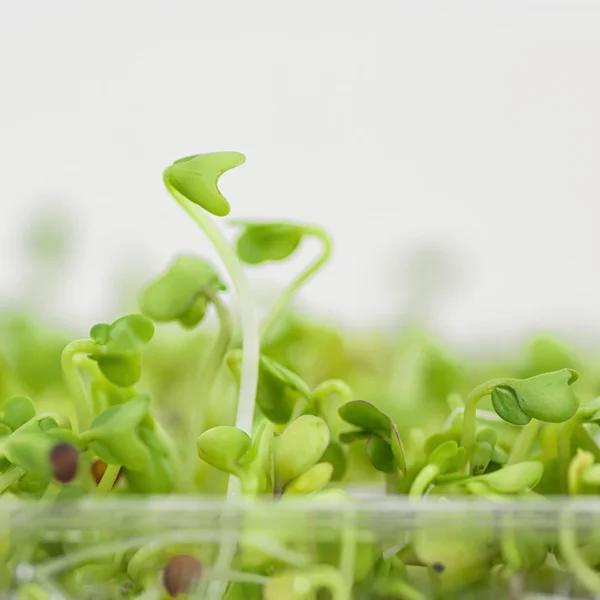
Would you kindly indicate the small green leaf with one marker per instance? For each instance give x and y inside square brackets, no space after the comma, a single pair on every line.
[436,439]
[119,347]
[224,447]
[195,178]
[31,452]
[16,411]
[123,371]
[279,389]
[514,479]
[481,457]
[364,415]
[381,455]
[157,476]
[447,456]
[313,480]
[301,444]
[506,404]
[179,294]
[114,434]
[549,396]
[262,242]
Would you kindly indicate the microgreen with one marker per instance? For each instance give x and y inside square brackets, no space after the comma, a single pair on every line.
[149,411]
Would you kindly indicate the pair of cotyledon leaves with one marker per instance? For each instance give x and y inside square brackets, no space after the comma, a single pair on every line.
[293,463]
[196,179]
[384,445]
[119,347]
[546,397]
[485,449]
[26,439]
[121,435]
[126,435]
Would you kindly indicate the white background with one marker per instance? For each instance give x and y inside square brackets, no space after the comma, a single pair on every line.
[466,132]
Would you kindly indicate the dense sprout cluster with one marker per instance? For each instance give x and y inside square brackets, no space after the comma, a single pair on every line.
[286,408]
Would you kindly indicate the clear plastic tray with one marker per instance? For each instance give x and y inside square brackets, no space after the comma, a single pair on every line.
[304,549]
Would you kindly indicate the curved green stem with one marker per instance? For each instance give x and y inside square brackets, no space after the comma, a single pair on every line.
[108,479]
[82,407]
[214,360]
[423,480]
[333,386]
[470,414]
[10,477]
[285,298]
[523,442]
[250,333]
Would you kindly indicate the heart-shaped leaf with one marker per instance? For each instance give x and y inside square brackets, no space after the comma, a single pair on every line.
[196,177]
[262,242]
[223,447]
[114,434]
[549,396]
[179,294]
[301,444]
[16,411]
[119,347]
[363,414]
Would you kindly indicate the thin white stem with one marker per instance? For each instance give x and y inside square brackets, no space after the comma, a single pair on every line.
[250,333]
[251,353]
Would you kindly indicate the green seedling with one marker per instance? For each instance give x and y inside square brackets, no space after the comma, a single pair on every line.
[298,448]
[272,242]
[384,446]
[117,430]
[547,397]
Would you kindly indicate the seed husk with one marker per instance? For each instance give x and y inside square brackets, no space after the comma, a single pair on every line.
[64,460]
[181,574]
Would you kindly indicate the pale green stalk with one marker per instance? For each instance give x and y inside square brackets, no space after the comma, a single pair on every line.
[285,298]
[83,411]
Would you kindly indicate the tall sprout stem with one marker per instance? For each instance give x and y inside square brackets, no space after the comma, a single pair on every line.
[250,333]
[469,428]
[214,360]
[207,377]
[287,296]
[71,373]
[251,354]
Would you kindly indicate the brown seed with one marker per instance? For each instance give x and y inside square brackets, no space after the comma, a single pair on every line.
[98,469]
[64,460]
[181,574]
